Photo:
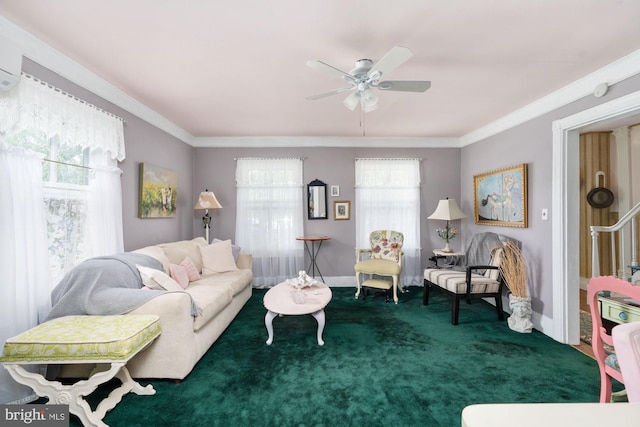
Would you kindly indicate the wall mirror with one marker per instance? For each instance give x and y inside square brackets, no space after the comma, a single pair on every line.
[317,199]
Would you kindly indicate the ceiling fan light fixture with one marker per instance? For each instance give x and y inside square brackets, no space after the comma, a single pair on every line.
[369,97]
[367,108]
[351,101]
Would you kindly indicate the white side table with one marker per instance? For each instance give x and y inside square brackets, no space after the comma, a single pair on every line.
[451,258]
[438,252]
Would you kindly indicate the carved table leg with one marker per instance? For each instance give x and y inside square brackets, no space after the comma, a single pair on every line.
[268,322]
[319,316]
[73,394]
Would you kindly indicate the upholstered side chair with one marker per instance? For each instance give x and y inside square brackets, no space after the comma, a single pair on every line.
[380,266]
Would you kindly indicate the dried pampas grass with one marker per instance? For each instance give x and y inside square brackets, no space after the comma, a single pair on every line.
[514,269]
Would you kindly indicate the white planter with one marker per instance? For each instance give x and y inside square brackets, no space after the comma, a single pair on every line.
[520,319]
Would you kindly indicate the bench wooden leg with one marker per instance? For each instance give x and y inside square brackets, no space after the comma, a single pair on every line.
[73,394]
[425,292]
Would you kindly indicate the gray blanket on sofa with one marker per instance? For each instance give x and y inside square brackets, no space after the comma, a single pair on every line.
[103,286]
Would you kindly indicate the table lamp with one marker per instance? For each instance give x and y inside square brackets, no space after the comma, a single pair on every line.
[447,210]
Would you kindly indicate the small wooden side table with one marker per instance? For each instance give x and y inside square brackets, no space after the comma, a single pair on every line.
[313,252]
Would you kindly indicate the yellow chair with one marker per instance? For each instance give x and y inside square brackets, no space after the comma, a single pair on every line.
[384,263]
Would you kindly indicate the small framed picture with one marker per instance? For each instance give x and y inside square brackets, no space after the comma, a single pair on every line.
[335,190]
[342,210]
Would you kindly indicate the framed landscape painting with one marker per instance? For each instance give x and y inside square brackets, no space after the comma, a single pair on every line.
[500,197]
[158,192]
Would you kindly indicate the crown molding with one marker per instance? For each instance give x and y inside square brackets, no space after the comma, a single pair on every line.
[325,141]
[611,74]
[45,55]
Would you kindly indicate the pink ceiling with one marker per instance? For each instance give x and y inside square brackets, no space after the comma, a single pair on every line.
[237,68]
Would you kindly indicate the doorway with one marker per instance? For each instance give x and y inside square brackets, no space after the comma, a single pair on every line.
[565,202]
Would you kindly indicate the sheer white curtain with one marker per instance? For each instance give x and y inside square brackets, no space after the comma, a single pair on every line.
[24,261]
[55,216]
[104,207]
[270,216]
[388,198]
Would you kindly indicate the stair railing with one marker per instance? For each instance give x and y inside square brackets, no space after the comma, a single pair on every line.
[623,233]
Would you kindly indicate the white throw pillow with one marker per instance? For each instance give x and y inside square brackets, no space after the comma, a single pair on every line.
[235,249]
[156,279]
[217,258]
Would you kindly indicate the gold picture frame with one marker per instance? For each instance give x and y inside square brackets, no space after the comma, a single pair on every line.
[158,193]
[500,197]
[341,210]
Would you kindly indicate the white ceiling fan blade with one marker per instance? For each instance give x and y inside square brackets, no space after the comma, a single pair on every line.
[325,94]
[404,85]
[394,58]
[319,65]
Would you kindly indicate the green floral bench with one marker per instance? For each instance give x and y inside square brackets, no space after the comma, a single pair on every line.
[109,341]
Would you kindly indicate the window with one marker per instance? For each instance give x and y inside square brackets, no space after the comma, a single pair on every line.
[270,217]
[388,198]
[72,141]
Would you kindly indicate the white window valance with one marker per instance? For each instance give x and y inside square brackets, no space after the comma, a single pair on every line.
[387,173]
[34,104]
[269,172]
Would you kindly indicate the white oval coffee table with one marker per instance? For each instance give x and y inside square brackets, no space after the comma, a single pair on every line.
[279,301]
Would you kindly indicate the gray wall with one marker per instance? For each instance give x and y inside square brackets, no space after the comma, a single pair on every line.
[445,173]
[215,170]
[529,143]
[144,144]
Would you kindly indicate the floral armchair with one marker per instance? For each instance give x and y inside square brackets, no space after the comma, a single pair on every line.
[383,263]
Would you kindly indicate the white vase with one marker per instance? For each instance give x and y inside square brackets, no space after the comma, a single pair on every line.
[520,319]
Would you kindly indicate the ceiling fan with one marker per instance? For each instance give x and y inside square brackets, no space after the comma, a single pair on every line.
[366,75]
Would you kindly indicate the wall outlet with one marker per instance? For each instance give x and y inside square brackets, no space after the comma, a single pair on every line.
[545,214]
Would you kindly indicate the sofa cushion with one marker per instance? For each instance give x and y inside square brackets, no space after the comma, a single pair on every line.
[157,253]
[236,281]
[176,252]
[210,298]
[217,258]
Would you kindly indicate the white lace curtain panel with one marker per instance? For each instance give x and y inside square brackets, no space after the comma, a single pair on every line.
[24,259]
[388,198]
[34,104]
[269,217]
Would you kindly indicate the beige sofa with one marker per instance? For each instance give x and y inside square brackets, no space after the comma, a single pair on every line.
[185,339]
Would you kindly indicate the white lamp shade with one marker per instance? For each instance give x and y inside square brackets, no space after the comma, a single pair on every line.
[447,210]
[351,101]
[207,200]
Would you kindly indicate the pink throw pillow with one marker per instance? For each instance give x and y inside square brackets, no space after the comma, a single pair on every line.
[179,274]
[191,268]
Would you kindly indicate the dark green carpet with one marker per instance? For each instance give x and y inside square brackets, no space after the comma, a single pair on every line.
[382,365]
